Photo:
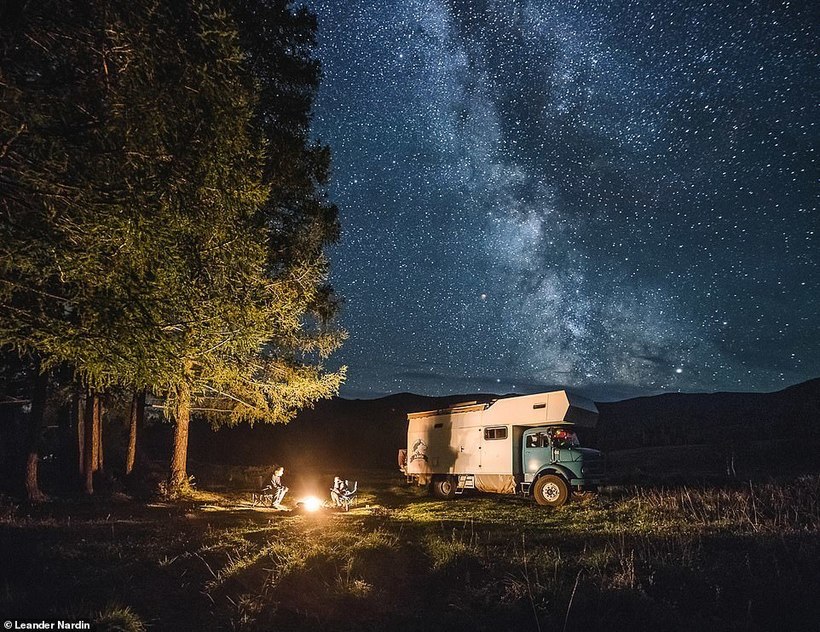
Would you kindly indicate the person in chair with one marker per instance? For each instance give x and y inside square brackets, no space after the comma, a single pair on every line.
[277,488]
[339,491]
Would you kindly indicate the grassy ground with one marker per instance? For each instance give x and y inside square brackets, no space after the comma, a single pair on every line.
[740,557]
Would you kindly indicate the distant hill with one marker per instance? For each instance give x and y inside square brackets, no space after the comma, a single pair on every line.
[716,418]
[367,433]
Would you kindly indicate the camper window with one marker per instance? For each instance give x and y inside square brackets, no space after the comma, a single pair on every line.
[495,433]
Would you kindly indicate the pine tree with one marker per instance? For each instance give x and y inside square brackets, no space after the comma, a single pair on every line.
[151,237]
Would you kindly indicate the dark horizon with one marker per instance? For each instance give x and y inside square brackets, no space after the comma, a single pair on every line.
[584,392]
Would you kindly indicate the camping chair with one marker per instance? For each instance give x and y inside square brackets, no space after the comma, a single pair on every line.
[348,499]
[268,496]
[263,498]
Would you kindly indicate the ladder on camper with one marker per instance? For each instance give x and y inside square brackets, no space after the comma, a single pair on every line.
[465,481]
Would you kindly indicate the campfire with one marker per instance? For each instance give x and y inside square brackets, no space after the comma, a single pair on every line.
[310,504]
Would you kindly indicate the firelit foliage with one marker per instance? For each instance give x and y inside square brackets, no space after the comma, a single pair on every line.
[163,217]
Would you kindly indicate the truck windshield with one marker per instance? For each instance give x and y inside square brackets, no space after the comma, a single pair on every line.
[558,437]
[563,438]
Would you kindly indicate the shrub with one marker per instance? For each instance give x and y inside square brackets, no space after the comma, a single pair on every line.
[116,618]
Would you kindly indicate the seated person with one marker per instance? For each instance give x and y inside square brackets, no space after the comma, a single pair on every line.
[276,488]
[339,491]
[535,440]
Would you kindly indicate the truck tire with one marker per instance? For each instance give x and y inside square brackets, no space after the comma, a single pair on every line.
[443,487]
[550,490]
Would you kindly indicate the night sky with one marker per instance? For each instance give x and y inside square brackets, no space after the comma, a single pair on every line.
[615,196]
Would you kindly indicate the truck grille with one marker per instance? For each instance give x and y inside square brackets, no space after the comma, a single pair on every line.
[594,467]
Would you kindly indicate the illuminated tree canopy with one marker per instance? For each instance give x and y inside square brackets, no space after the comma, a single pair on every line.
[163,209]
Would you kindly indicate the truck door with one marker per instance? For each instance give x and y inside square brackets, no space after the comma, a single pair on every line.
[467,442]
[535,452]
[496,450]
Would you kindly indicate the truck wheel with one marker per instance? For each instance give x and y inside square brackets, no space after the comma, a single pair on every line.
[444,487]
[550,490]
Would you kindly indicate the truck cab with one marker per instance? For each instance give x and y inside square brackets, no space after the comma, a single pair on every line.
[554,464]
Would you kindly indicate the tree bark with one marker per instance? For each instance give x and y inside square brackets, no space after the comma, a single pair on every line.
[79,411]
[137,413]
[88,438]
[179,456]
[67,444]
[98,438]
[35,431]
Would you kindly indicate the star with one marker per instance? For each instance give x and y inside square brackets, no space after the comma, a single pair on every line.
[634,185]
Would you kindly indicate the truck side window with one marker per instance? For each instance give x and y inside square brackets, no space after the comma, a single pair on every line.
[538,440]
[495,433]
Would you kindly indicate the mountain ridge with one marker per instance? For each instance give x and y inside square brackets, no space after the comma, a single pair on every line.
[368,432]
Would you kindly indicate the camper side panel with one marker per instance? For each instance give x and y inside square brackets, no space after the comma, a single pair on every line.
[496,450]
[466,444]
[449,443]
[430,447]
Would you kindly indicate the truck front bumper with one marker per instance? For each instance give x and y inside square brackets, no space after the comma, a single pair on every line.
[585,484]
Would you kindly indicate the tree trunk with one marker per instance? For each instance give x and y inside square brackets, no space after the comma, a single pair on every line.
[35,431]
[137,412]
[98,438]
[88,437]
[79,411]
[179,457]
[67,444]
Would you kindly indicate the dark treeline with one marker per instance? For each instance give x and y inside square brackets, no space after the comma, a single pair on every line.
[769,434]
[163,221]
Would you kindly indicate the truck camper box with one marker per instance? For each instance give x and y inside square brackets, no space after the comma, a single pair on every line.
[482,445]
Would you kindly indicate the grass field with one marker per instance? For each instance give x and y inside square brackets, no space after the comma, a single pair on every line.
[735,557]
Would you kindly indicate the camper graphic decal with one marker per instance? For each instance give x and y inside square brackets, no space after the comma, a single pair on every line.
[419,451]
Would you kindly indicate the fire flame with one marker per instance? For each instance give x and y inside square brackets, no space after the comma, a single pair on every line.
[311,503]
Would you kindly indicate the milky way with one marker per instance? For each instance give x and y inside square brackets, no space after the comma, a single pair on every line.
[615,196]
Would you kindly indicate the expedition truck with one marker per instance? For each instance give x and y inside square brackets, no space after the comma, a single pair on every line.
[523,445]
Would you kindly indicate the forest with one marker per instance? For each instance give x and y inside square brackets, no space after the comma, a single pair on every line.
[164,224]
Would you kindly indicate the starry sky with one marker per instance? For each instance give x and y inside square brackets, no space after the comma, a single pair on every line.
[615,196]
